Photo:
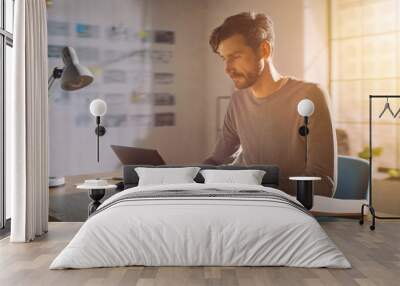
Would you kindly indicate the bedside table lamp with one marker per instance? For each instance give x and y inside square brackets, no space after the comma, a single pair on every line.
[73,76]
[98,108]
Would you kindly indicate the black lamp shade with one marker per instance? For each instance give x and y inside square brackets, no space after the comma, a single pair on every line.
[75,75]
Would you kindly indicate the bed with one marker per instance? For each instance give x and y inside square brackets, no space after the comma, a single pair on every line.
[201,224]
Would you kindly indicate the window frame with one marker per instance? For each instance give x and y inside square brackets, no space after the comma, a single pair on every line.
[6,39]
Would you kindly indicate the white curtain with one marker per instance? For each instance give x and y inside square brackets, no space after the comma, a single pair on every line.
[27,124]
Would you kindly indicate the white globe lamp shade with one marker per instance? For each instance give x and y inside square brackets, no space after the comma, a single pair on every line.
[98,107]
[305,107]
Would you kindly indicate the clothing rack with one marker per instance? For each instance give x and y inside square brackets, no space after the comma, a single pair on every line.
[369,205]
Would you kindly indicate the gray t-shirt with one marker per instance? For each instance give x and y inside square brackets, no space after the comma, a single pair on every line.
[265,131]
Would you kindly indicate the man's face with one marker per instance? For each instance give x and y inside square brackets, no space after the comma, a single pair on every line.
[242,64]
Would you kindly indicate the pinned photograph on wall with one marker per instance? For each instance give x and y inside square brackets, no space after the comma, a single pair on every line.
[88,54]
[163,78]
[164,119]
[114,76]
[115,97]
[161,57]
[57,28]
[121,33]
[164,98]
[144,35]
[115,120]
[54,51]
[116,56]
[111,56]
[138,97]
[139,78]
[141,119]
[164,37]
[86,30]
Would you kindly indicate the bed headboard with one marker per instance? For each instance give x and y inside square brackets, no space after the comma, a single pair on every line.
[270,179]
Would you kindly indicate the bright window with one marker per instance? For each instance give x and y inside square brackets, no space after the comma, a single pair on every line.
[365,44]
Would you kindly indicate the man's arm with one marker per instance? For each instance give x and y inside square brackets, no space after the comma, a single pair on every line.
[228,142]
[322,145]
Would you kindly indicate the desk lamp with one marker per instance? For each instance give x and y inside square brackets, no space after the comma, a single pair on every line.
[73,76]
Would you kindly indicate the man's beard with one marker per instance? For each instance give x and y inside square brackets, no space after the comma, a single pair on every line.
[247,80]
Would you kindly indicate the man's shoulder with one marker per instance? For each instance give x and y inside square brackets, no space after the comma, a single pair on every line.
[308,88]
[239,95]
[239,92]
[306,85]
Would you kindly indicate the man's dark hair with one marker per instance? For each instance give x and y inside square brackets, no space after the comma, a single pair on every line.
[255,28]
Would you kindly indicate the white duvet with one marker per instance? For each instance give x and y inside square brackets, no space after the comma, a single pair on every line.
[200,231]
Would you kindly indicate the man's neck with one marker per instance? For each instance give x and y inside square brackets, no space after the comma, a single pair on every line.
[269,81]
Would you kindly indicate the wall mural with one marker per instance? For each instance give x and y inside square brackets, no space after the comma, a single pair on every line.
[131,64]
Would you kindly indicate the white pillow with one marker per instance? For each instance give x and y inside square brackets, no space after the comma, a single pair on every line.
[248,177]
[161,176]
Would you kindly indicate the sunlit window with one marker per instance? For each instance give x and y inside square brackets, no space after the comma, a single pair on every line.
[365,44]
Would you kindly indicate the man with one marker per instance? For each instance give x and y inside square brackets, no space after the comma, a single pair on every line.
[262,121]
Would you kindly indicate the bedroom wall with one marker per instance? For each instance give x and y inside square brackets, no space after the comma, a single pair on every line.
[288,55]
[316,42]
[100,32]
[301,51]
[72,140]
[183,143]
[198,77]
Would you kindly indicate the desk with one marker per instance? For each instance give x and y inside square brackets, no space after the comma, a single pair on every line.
[67,203]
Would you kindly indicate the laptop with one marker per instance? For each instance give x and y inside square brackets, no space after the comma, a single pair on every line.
[137,156]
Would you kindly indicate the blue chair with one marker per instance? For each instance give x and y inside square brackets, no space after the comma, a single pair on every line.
[353,178]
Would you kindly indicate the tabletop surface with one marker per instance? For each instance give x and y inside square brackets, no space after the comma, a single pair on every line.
[305,178]
[88,187]
[68,203]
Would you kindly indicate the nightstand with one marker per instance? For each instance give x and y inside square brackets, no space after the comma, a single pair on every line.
[96,193]
[305,191]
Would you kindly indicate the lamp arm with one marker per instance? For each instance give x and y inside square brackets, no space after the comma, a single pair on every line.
[50,82]
[57,73]
[121,58]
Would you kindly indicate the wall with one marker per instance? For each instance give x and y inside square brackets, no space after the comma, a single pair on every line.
[316,42]
[73,145]
[184,143]
[300,51]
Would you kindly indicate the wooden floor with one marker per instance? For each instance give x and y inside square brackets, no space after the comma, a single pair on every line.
[375,257]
